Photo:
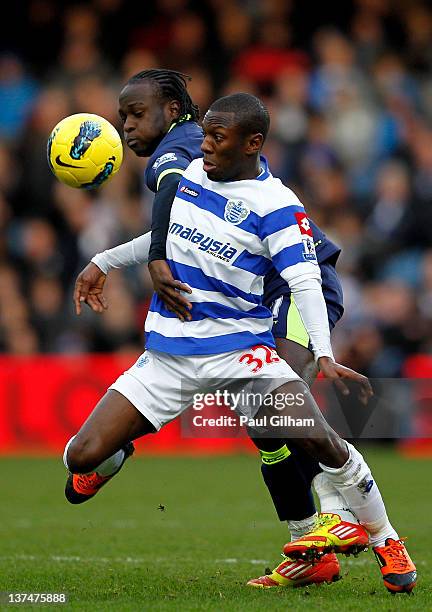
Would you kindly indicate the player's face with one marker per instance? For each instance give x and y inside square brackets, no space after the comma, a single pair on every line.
[146,118]
[227,151]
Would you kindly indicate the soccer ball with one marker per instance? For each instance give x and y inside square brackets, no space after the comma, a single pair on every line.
[84,151]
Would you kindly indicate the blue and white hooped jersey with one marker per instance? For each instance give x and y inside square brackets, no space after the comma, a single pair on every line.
[223,238]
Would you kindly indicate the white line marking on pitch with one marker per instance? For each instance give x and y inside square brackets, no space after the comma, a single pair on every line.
[75,558]
[138,560]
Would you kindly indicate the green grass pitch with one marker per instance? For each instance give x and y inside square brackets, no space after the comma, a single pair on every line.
[186,534]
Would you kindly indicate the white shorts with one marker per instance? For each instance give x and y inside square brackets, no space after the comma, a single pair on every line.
[162,386]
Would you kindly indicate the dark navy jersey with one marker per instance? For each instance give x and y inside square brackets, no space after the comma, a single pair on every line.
[176,150]
[326,251]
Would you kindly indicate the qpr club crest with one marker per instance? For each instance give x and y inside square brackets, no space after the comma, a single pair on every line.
[142,361]
[236,211]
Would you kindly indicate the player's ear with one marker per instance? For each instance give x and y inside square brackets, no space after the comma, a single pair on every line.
[174,109]
[254,144]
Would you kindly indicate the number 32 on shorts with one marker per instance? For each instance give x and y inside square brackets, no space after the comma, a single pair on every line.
[257,356]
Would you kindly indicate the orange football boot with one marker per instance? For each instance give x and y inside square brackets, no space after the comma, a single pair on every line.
[398,571]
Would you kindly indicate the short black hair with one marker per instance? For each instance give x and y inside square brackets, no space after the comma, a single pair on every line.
[250,113]
[171,85]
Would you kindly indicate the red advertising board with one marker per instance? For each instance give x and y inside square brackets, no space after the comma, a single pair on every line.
[44,400]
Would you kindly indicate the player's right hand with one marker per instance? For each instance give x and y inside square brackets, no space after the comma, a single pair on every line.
[338,373]
[169,290]
[89,289]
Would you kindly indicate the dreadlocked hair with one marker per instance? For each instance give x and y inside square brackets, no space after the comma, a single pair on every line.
[172,85]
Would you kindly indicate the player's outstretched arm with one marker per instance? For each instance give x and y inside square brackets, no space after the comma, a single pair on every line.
[89,289]
[90,282]
[298,266]
[130,253]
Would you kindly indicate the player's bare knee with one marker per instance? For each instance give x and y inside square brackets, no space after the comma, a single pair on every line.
[83,456]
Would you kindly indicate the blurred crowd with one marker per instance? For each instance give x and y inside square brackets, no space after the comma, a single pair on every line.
[350,97]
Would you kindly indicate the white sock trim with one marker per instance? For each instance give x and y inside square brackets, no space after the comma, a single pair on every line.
[65,453]
[111,465]
[299,528]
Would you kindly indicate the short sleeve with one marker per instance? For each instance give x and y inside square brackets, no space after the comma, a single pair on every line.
[171,162]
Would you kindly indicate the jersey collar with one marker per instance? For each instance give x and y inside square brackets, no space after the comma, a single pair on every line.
[181,119]
[265,172]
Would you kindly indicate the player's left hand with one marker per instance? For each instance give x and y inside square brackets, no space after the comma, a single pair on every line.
[338,373]
[169,289]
